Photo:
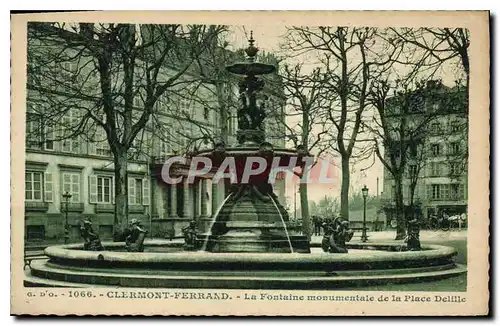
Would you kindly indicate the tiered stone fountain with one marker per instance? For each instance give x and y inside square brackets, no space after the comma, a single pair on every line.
[251,218]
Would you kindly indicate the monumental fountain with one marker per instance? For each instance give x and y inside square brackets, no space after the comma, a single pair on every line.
[249,243]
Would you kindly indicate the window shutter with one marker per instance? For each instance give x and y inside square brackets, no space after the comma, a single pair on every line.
[131,191]
[93,189]
[66,182]
[429,191]
[461,191]
[49,188]
[145,192]
[75,188]
[112,190]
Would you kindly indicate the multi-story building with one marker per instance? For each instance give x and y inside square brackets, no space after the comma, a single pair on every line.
[81,165]
[437,162]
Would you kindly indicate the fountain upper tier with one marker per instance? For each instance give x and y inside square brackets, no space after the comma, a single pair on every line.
[251,68]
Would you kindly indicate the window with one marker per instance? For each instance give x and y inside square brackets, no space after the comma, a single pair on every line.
[454,191]
[162,103]
[436,149]
[205,113]
[102,149]
[435,107]
[164,148]
[33,186]
[33,130]
[436,128]
[98,145]
[445,191]
[138,101]
[416,104]
[184,106]
[138,191]
[413,171]
[49,137]
[71,184]
[455,126]
[135,191]
[104,190]
[454,148]
[70,143]
[101,145]
[435,169]
[413,149]
[69,68]
[454,168]
[436,191]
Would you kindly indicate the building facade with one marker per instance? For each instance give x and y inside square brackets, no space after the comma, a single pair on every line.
[437,165]
[80,165]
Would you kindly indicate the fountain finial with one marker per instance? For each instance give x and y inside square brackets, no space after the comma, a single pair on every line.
[251,51]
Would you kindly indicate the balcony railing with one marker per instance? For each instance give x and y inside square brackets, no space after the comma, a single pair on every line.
[104,208]
[72,207]
[136,209]
[36,206]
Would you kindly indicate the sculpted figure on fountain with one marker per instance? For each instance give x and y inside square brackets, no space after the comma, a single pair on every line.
[90,238]
[135,236]
[413,237]
[336,234]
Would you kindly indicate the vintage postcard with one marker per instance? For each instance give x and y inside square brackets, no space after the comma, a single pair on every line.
[250,163]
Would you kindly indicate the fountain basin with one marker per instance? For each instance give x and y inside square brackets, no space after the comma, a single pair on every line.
[69,265]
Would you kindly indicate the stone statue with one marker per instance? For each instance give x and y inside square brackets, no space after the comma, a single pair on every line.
[189,233]
[413,236]
[249,115]
[90,238]
[259,116]
[136,235]
[343,234]
[243,114]
[336,234]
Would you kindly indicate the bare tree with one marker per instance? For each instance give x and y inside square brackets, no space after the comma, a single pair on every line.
[400,129]
[352,58]
[441,45]
[304,125]
[110,77]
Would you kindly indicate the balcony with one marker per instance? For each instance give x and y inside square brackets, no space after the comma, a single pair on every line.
[72,207]
[36,206]
[104,208]
[136,209]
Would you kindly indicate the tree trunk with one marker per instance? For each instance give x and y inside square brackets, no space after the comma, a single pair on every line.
[344,191]
[411,202]
[304,209]
[121,201]
[222,112]
[400,215]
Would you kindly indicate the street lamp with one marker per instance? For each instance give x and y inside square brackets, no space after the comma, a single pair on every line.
[365,194]
[66,196]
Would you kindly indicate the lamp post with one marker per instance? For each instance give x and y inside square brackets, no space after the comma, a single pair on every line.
[66,196]
[295,205]
[365,194]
